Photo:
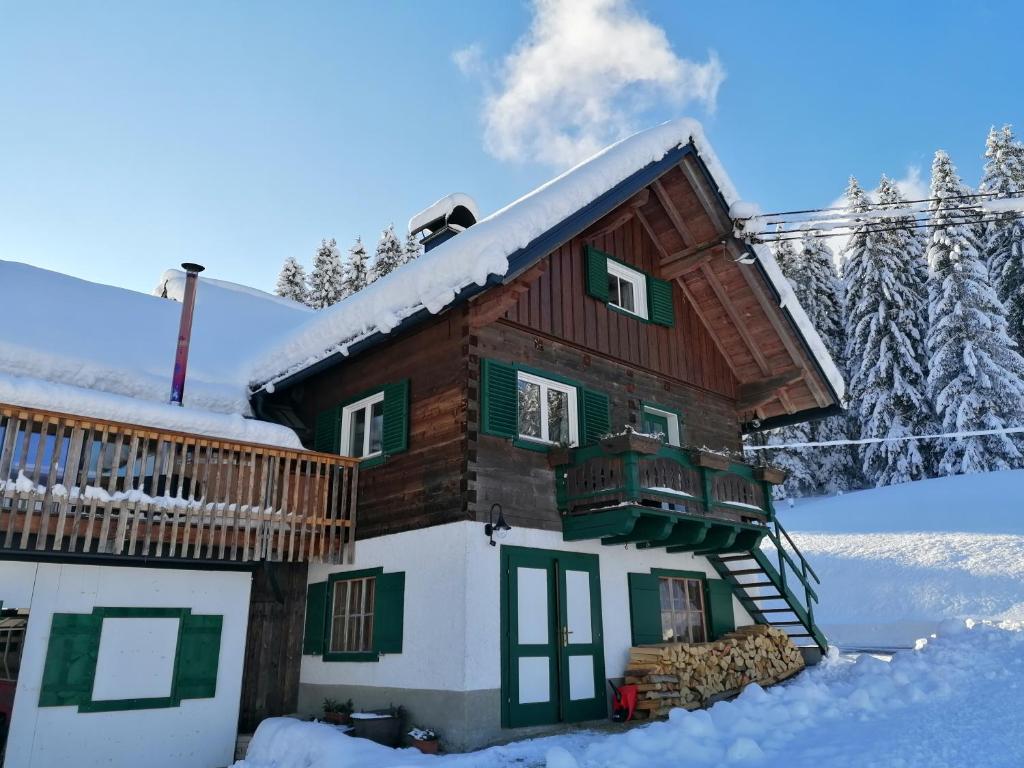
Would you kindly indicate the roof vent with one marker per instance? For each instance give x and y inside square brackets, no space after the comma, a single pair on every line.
[444,219]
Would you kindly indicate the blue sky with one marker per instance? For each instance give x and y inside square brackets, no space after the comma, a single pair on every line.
[134,136]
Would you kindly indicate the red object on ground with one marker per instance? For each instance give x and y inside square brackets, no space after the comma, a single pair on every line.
[625,699]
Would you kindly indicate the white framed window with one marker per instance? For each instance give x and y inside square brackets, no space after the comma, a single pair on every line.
[362,427]
[627,289]
[682,610]
[659,421]
[352,615]
[547,410]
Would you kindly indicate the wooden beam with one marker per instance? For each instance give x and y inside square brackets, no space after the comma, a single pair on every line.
[673,214]
[708,199]
[785,332]
[708,327]
[757,393]
[491,305]
[620,216]
[680,266]
[651,233]
[738,322]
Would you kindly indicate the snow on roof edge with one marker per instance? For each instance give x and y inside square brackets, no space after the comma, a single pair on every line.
[30,392]
[433,281]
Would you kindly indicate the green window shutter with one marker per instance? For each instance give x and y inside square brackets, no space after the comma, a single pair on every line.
[597,273]
[388,612]
[195,673]
[327,438]
[595,422]
[316,612]
[499,399]
[70,666]
[721,620]
[396,417]
[645,608]
[659,302]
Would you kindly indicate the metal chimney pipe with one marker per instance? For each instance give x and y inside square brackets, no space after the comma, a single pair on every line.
[188,303]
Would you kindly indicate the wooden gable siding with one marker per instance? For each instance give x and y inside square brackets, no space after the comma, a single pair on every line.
[557,305]
[520,479]
[423,485]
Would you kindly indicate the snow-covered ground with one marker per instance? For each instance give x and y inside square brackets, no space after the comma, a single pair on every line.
[957,699]
[896,561]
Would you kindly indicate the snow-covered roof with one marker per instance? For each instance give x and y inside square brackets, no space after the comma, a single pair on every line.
[68,342]
[433,281]
[443,209]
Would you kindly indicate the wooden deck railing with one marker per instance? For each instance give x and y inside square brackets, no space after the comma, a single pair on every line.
[71,484]
[636,469]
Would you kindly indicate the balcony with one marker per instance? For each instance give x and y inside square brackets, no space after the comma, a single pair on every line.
[77,487]
[633,488]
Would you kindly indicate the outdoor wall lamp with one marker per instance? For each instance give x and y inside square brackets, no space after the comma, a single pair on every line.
[499,528]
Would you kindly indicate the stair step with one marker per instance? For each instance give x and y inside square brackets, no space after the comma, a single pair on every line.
[786,623]
[731,558]
[777,610]
[765,597]
[801,635]
[746,572]
[755,584]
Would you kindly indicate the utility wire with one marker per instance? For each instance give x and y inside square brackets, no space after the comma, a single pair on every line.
[870,440]
[819,232]
[970,196]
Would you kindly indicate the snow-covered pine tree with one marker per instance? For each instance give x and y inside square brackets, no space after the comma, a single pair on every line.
[389,256]
[885,349]
[412,248]
[975,376]
[357,268]
[817,286]
[291,282]
[325,284]
[1003,240]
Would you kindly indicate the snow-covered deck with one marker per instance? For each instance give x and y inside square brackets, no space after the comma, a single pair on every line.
[73,484]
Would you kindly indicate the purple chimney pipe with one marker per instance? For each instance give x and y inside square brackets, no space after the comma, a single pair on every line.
[188,303]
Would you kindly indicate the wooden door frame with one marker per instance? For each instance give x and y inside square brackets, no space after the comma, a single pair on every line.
[555,561]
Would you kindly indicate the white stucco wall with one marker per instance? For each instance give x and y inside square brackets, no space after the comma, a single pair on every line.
[452,637]
[199,733]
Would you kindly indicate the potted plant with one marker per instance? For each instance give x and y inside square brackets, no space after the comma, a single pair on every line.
[770,474]
[425,740]
[337,712]
[710,459]
[381,725]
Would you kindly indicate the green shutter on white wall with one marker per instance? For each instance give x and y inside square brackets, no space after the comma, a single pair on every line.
[722,620]
[645,608]
[499,399]
[595,422]
[396,417]
[389,612]
[327,437]
[195,673]
[316,613]
[659,299]
[70,666]
[596,264]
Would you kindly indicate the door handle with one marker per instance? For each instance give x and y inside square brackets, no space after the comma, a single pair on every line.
[565,636]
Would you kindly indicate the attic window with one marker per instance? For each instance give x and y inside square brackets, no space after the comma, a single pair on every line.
[627,289]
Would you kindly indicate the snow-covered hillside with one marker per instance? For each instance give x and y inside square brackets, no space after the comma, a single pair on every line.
[896,561]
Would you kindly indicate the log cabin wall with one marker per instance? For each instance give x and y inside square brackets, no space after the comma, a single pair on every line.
[520,479]
[556,304]
[424,485]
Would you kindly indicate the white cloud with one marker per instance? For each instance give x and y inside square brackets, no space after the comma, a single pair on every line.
[911,186]
[580,78]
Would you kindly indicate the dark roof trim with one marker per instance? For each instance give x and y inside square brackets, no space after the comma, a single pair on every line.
[788,419]
[518,261]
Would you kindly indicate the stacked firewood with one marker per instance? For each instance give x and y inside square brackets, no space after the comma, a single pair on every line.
[695,675]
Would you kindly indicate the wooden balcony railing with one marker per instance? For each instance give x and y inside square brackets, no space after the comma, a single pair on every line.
[637,469]
[71,484]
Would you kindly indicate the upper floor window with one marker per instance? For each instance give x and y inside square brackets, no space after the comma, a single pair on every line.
[660,421]
[362,427]
[547,410]
[627,289]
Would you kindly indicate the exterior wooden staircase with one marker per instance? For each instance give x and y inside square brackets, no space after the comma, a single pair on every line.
[780,593]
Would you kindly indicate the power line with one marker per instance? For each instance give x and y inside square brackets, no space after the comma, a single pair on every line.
[902,438]
[971,195]
[819,232]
